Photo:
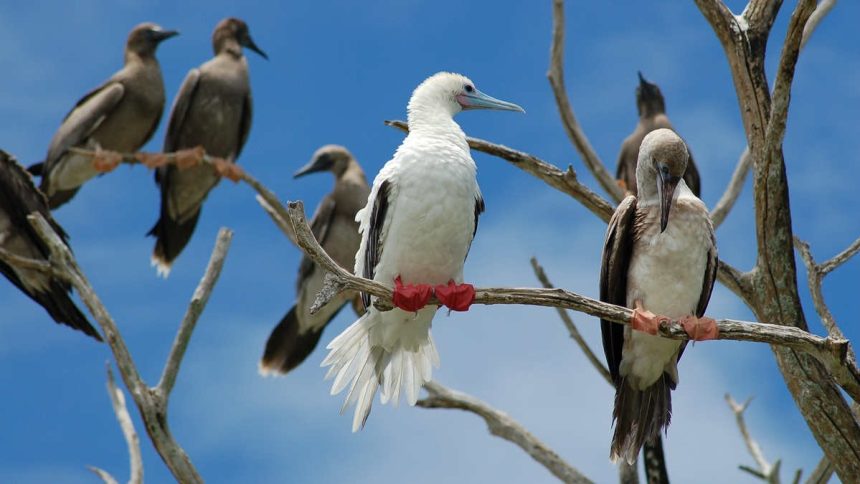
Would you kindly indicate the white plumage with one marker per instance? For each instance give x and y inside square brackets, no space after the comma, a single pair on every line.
[431,197]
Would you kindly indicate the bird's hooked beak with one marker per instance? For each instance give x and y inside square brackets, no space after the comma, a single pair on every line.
[316,165]
[478,100]
[162,35]
[248,42]
[667,183]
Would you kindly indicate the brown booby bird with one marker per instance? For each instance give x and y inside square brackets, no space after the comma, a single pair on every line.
[652,115]
[19,198]
[120,115]
[212,110]
[660,259]
[336,230]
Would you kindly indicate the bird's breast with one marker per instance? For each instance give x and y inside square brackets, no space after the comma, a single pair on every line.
[433,219]
[667,269]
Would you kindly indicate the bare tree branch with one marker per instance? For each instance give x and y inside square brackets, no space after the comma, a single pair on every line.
[832,352]
[765,471]
[121,410]
[571,326]
[840,258]
[733,189]
[151,402]
[503,426]
[563,181]
[103,474]
[822,472]
[568,119]
[814,277]
[824,7]
[192,314]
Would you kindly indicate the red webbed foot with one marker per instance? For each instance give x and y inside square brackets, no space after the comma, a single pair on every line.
[410,297]
[700,329]
[457,297]
[646,321]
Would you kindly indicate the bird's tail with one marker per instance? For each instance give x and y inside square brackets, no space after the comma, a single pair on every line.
[402,364]
[287,347]
[171,236]
[59,304]
[639,416]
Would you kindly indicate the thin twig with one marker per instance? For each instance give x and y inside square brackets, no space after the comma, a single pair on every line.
[568,118]
[814,277]
[121,410]
[765,471]
[820,12]
[832,352]
[571,326]
[563,181]
[192,314]
[840,258]
[103,474]
[503,426]
[733,189]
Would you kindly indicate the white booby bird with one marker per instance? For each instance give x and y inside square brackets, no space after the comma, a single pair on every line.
[416,230]
[660,259]
[19,198]
[652,115]
[120,115]
[336,229]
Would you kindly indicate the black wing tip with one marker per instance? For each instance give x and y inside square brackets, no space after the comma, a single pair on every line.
[286,348]
[63,310]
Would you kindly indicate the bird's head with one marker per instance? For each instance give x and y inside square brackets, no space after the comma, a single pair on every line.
[231,34]
[144,39]
[333,158]
[662,162]
[448,93]
[649,99]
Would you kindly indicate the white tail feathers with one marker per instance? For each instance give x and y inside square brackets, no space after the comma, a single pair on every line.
[163,267]
[367,356]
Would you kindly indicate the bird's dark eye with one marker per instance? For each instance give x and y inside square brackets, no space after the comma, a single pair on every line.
[469,88]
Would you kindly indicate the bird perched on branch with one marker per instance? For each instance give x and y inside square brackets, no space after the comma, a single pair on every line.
[118,116]
[336,229]
[19,198]
[212,110]
[416,230]
[652,115]
[660,259]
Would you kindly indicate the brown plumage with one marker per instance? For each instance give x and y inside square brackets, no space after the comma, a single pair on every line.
[335,228]
[652,115]
[19,198]
[120,115]
[659,255]
[213,110]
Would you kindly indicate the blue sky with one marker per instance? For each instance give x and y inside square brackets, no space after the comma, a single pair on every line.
[337,70]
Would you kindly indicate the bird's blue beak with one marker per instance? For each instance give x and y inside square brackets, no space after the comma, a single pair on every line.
[478,100]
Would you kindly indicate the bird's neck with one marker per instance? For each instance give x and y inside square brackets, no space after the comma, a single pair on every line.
[134,57]
[228,46]
[434,122]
